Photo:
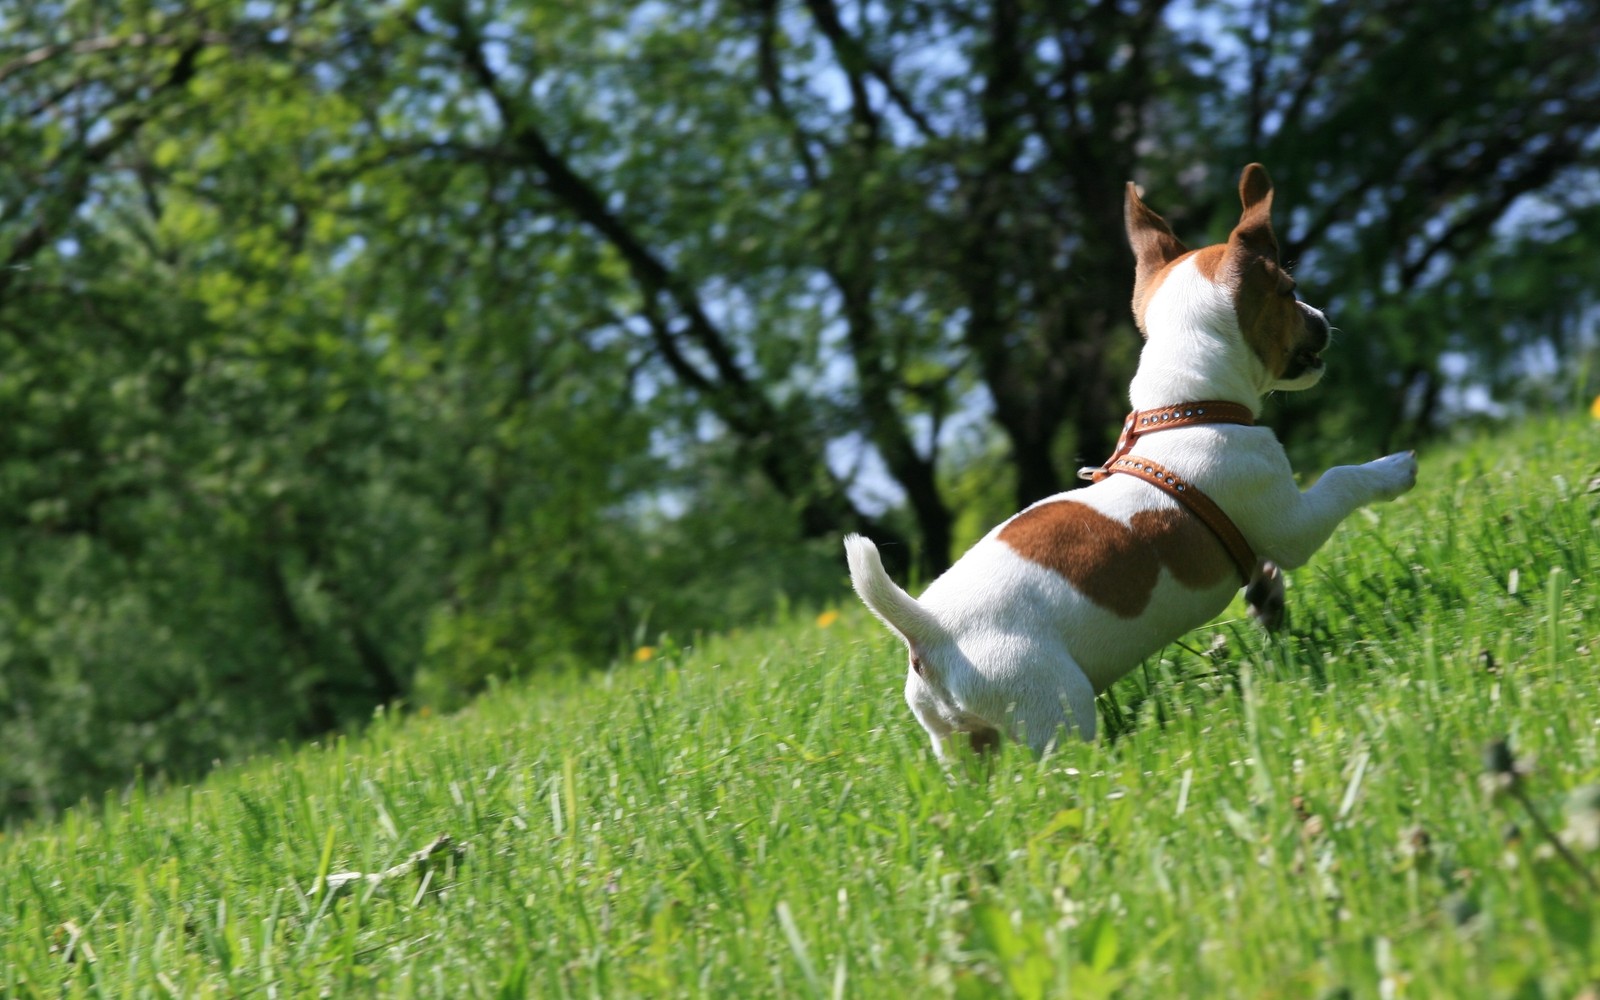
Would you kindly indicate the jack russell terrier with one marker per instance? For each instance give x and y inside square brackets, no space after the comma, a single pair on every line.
[1059,601]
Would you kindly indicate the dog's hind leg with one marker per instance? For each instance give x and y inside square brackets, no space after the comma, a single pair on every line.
[924,703]
[1061,699]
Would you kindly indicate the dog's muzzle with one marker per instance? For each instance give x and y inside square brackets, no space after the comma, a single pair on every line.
[1308,355]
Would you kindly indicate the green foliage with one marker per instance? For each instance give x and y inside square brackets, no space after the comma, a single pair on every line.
[300,418]
[759,815]
[362,355]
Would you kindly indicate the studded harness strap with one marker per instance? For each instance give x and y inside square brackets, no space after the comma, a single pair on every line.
[1141,422]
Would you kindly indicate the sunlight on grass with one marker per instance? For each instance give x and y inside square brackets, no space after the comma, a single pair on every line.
[1300,816]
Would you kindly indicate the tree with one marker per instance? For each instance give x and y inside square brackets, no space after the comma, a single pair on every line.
[958,164]
[300,421]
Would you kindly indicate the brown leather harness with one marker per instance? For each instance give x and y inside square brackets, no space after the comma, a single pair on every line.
[1141,422]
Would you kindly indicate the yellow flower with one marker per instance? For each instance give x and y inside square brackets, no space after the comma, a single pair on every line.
[644,653]
[1594,408]
[827,618]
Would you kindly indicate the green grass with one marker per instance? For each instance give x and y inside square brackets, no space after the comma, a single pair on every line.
[759,815]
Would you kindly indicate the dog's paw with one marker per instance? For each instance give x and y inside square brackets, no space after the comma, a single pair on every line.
[1264,596]
[1394,474]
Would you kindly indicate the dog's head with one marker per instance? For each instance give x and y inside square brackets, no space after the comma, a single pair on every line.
[1234,289]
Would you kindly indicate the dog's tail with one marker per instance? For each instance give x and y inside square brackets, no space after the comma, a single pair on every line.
[893,606]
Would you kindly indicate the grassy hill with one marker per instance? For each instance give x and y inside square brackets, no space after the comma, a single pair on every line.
[759,814]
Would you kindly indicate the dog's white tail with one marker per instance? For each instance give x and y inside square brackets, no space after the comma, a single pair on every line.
[893,606]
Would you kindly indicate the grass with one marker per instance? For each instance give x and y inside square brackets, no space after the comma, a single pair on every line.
[759,815]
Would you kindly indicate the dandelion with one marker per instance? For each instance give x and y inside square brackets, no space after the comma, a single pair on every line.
[827,618]
[1594,408]
[1460,908]
[1497,758]
[644,653]
[1502,772]
[1583,818]
[1503,777]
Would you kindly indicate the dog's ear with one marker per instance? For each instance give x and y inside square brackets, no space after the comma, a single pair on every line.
[1154,247]
[1254,230]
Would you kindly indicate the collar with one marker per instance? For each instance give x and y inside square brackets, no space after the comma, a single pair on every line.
[1141,422]
[1166,418]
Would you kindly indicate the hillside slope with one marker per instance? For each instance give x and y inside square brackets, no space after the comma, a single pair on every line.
[759,815]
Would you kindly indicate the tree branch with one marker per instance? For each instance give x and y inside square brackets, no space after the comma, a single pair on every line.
[562,181]
[771,76]
[76,188]
[1470,226]
[93,46]
[855,59]
[782,452]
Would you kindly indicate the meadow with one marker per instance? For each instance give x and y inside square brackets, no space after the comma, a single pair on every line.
[1322,813]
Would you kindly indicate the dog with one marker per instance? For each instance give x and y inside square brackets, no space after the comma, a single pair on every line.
[1062,599]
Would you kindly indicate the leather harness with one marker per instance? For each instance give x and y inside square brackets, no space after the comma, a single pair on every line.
[1141,422]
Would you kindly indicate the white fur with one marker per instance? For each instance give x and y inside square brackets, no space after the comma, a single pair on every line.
[1001,643]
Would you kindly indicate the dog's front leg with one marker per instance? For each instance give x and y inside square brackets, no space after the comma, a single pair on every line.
[1264,596]
[1297,523]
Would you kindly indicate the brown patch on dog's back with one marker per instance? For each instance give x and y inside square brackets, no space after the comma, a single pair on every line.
[1193,555]
[1101,556]
[1113,564]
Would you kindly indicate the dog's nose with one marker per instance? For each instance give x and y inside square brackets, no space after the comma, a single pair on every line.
[1317,325]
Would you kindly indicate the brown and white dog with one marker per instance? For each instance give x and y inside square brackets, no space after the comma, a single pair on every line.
[1062,599]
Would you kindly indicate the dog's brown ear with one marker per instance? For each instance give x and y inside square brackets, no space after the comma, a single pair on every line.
[1255,221]
[1154,247]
